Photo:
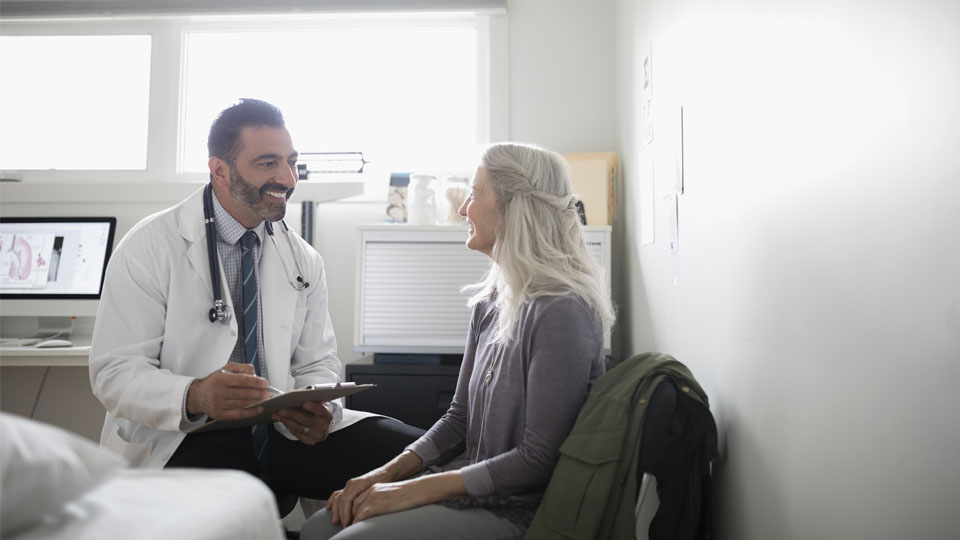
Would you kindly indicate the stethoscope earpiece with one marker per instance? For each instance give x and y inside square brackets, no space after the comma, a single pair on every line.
[300,284]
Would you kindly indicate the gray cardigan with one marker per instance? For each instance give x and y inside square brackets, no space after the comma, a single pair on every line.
[537,384]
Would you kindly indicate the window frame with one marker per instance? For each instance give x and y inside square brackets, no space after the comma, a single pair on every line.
[168,86]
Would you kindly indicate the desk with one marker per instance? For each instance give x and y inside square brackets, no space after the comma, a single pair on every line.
[78,355]
[52,386]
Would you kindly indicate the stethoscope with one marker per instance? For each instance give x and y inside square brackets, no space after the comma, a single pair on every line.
[219,310]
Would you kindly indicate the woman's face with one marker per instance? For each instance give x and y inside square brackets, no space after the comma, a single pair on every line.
[480,209]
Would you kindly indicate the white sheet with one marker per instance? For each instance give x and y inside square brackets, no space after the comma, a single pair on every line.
[177,504]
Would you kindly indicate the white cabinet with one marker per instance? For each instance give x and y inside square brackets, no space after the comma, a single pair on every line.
[408,287]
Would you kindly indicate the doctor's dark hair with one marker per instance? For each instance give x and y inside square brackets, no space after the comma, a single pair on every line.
[540,249]
[224,139]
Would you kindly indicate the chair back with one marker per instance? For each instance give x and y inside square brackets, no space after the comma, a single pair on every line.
[660,411]
[656,427]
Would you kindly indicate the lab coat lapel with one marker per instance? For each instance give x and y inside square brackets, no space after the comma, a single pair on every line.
[193,231]
[279,300]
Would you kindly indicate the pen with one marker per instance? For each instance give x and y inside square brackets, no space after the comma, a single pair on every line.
[273,389]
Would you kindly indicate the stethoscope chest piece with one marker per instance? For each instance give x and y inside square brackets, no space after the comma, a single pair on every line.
[219,313]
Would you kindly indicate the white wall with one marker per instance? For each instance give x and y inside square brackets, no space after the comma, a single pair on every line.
[562,60]
[337,240]
[818,296]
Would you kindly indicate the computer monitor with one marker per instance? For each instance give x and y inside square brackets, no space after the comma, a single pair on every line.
[53,258]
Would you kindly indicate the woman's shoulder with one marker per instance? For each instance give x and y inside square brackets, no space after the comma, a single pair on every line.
[567,301]
[563,306]
[564,324]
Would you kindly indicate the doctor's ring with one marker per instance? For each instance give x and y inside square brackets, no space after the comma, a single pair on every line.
[306,430]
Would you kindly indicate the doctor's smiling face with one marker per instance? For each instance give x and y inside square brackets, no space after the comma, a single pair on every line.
[259,181]
[480,209]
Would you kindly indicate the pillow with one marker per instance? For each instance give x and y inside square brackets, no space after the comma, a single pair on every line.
[42,467]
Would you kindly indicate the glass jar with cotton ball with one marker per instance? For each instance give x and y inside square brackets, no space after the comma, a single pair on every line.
[455,189]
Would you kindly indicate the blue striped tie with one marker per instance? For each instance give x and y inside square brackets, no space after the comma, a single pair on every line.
[251,312]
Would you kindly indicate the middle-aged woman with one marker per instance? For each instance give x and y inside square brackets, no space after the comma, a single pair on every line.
[534,346]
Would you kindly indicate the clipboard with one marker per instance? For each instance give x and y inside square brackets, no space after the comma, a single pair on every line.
[287,400]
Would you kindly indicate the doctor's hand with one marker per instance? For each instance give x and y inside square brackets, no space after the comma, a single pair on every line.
[223,394]
[309,424]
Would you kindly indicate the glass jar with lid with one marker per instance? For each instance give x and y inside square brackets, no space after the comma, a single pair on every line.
[422,199]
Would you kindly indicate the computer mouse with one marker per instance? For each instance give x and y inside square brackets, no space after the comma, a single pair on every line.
[53,343]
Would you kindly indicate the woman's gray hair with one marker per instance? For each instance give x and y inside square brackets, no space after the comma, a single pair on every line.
[540,248]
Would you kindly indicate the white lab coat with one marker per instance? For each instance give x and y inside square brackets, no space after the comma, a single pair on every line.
[152,336]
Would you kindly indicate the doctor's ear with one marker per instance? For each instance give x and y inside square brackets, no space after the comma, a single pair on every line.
[219,171]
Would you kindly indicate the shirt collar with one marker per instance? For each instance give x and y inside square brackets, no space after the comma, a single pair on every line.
[228,228]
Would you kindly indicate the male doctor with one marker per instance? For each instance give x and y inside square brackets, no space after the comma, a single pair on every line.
[161,367]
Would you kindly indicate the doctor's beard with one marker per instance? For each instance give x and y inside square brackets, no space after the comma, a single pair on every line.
[255,199]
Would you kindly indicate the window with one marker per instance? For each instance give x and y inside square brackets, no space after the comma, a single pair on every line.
[133,98]
[74,102]
[405,96]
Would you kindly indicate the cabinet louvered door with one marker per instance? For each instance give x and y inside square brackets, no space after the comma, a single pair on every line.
[408,290]
[410,299]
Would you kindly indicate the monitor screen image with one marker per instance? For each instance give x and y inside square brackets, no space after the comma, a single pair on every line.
[54,257]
